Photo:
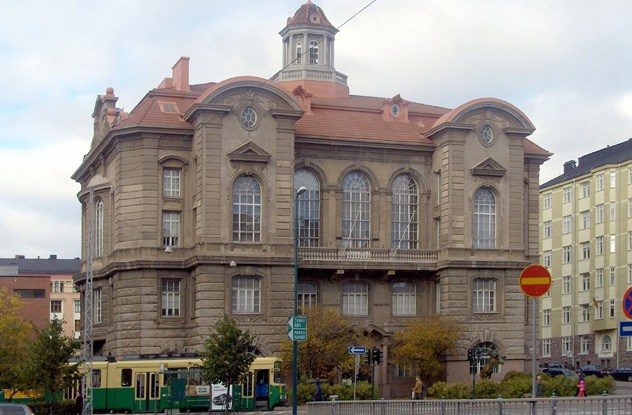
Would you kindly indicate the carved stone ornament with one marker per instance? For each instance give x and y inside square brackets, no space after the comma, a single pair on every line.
[249,152]
[489,167]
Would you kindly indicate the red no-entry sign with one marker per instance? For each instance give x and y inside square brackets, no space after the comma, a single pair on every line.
[627,303]
[535,280]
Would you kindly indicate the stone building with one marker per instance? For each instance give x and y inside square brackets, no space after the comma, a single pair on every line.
[586,242]
[410,209]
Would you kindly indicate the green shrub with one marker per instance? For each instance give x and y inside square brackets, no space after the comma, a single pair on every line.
[559,385]
[458,390]
[306,390]
[487,389]
[57,408]
[596,386]
[515,385]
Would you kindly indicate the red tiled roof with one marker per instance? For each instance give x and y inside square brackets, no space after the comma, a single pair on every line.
[309,14]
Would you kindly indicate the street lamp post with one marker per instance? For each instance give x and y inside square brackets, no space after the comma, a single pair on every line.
[299,191]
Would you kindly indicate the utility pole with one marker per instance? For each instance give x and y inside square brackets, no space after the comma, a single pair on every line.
[88,310]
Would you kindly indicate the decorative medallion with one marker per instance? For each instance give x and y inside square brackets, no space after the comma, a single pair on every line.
[487,135]
[248,117]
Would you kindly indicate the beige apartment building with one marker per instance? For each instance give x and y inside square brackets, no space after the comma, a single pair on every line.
[586,243]
[409,209]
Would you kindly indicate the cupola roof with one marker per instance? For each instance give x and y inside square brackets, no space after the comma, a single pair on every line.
[309,14]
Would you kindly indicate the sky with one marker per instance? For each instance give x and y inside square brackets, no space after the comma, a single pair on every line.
[566,64]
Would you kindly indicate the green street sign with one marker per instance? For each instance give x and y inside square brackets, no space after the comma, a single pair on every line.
[297,328]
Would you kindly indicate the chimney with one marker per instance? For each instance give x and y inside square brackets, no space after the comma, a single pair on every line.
[52,256]
[19,256]
[180,74]
[569,166]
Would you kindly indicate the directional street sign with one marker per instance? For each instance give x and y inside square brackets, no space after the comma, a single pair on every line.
[625,328]
[297,328]
[535,280]
[627,303]
[357,349]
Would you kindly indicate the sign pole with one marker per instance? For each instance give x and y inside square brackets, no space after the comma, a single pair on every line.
[533,391]
[355,374]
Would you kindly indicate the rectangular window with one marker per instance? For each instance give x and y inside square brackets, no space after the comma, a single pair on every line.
[404,299]
[170,298]
[613,244]
[585,186]
[546,317]
[547,229]
[585,250]
[55,306]
[566,346]
[567,254]
[629,274]
[567,194]
[613,179]
[629,240]
[355,298]
[612,308]
[599,310]
[484,295]
[546,201]
[77,306]
[566,284]
[171,182]
[599,182]
[585,313]
[126,377]
[630,208]
[584,345]
[599,213]
[585,282]
[613,275]
[566,315]
[599,245]
[546,258]
[246,295]
[599,278]
[613,211]
[567,224]
[57,286]
[170,229]
[96,378]
[29,293]
[98,306]
[585,219]
[546,347]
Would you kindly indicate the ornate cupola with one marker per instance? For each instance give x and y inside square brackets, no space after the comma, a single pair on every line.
[308,54]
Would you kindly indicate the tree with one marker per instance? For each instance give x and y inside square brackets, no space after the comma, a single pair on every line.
[227,356]
[15,333]
[424,343]
[48,360]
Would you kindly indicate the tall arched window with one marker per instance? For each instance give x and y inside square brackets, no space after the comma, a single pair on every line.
[313,52]
[307,296]
[355,298]
[486,351]
[405,233]
[299,52]
[98,228]
[246,210]
[606,343]
[308,207]
[484,295]
[484,226]
[356,211]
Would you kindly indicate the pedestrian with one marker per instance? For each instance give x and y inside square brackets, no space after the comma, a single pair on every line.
[581,388]
[538,387]
[318,394]
[417,388]
[79,404]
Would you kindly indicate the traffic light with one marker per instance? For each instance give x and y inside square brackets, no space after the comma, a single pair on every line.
[377,356]
[470,355]
[368,357]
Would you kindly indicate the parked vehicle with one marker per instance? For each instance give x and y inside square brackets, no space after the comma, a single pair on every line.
[623,373]
[595,370]
[14,409]
[558,371]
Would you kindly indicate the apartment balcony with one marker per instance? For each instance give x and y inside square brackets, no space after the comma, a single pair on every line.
[368,258]
[604,324]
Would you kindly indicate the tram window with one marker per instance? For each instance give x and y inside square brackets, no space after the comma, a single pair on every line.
[126,377]
[96,378]
[277,372]
[175,373]
[248,385]
[140,385]
[155,386]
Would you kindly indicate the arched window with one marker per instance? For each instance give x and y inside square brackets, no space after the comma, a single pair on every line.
[246,210]
[98,227]
[404,299]
[246,296]
[308,207]
[405,221]
[485,351]
[313,52]
[606,343]
[307,296]
[299,52]
[355,298]
[484,295]
[356,211]
[484,227]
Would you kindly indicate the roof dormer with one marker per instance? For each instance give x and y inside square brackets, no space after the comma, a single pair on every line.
[395,109]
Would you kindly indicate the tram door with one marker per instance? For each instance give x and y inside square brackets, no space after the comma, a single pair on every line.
[262,388]
[147,391]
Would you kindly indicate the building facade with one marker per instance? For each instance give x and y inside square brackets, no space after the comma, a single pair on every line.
[46,288]
[407,209]
[586,243]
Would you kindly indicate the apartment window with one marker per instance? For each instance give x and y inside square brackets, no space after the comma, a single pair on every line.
[567,194]
[599,277]
[546,317]
[170,297]
[546,347]
[547,229]
[585,219]
[585,313]
[567,224]
[170,228]
[599,182]
[355,298]
[98,227]
[567,254]
[57,286]
[246,210]
[606,344]
[613,179]
[77,304]
[586,282]
[404,213]
[630,208]
[484,218]
[629,240]
[612,308]
[599,245]
[308,208]
[566,315]
[546,258]
[98,305]
[599,310]
[585,250]
[171,182]
[566,346]
[599,213]
[484,295]
[613,244]
[307,296]
[566,284]
[356,211]
[613,211]
[546,201]
[55,306]
[29,293]
[246,296]
[313,52]
[585,186]
[613,276]
[404,299]
[629,274]
[584,345]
